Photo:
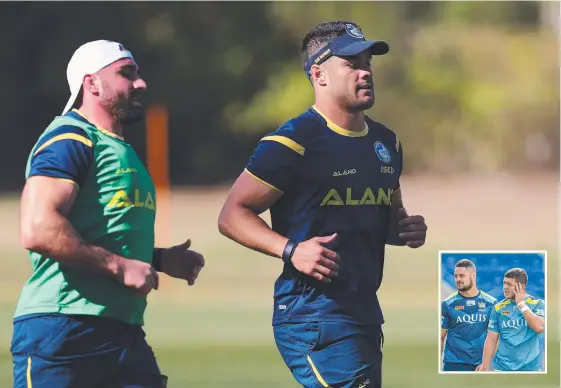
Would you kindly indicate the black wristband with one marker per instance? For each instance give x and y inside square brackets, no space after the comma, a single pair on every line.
[288,250]
[157,259]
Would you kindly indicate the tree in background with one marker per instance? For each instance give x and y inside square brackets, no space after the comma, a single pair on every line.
[473,86]
[468,86]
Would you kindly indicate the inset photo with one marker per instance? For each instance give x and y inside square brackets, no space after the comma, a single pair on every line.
[492,312]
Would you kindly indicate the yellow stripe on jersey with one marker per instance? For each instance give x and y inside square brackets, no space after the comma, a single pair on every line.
[451,296]
[502,304]
[265,183]
[287,142]
[532,301]
[64,136]
[69,181]
[340,130]
[98,128]
[490,297]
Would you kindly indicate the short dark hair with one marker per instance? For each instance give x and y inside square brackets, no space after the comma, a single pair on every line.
[517,274]
[465,263]
[321,35]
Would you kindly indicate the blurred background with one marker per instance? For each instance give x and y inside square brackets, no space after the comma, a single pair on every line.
[490,270]
[471,89]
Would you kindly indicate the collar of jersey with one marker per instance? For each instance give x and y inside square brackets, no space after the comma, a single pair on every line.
[105,131]
[340,130]
[471,297]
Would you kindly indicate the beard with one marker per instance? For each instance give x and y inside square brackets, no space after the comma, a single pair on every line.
[125,109]
[360,106]
[355,104]
[465,287]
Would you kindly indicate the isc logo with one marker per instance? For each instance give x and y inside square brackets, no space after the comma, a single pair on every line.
[387,169]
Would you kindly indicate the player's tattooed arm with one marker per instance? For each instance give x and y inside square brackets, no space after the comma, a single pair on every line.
[489,350]
[405,229]
[45,229]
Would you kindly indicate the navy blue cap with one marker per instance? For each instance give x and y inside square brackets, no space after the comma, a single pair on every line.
[350,43]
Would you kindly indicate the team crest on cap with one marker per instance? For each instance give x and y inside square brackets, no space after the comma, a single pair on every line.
[382,152]
[353,31]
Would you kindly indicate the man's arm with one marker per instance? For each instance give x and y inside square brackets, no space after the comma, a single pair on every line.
[239,219]
[405,229]
[271,170]
[535,320]
[489,349]
[45,229]
[397,209]
[444,321]
[491,341]
[443,333]
[396,216]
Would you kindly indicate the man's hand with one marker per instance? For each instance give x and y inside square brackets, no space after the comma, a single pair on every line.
[482,368]
[312,259]
[412,229]
[182,263]
[138,275]
[519,292]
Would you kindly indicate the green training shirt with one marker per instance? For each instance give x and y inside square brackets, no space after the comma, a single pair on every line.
[115,208]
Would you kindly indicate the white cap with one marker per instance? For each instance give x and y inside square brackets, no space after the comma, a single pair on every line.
[90,58]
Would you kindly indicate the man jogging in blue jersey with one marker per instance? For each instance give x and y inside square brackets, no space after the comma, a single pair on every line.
[516,323]
[465,316]
[330,178]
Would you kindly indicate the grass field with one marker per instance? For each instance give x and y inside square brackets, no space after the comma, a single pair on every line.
[218,333]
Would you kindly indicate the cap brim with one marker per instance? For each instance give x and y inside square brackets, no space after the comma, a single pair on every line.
[71,100]
[377,47]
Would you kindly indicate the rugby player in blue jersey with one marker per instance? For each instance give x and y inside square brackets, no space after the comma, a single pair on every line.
[515,324]
[465,316]
[330,178]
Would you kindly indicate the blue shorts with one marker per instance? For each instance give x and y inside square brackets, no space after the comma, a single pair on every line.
[332,354]
[76,351]
[458,367]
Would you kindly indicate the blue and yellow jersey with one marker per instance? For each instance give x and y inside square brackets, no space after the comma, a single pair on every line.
[466,319]
[333,181]
[519,345]
[65,153]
